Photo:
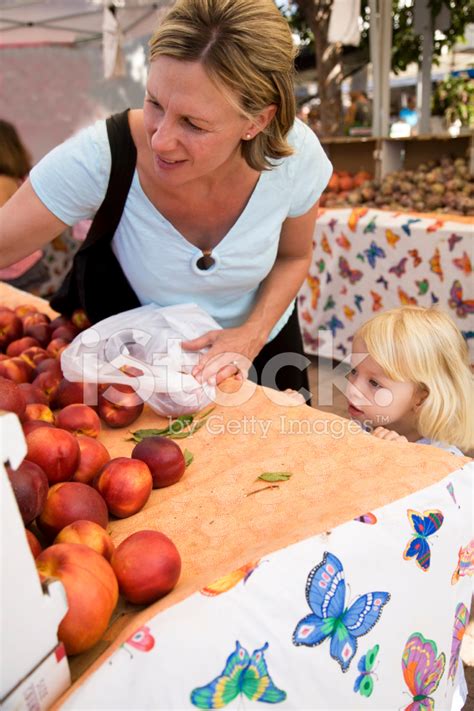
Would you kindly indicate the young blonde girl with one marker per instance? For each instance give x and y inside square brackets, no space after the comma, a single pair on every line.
[411,380]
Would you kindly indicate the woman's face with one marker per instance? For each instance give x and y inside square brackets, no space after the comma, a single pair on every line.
[192,129]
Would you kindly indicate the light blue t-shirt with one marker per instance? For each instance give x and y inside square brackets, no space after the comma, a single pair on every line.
[451,448]
[158,261]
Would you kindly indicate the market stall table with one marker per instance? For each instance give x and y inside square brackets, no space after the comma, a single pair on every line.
[367,260]
[279,552]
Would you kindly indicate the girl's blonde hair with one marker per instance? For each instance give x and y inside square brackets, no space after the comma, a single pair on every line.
[246,47]
[425,347]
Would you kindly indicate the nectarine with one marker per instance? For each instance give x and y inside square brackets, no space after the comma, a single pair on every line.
[71,501]
[91,590]
[147,565]
[125,485]
[164,457]
[55,451]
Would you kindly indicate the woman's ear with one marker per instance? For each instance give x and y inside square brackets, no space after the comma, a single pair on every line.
[261,121]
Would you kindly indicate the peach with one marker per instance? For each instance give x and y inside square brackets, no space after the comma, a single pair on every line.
[32,394]
[24,310]
[16,369]
[93,457]
[68,332]
[49,365]
[80,320]
[11,327]
[11,397]
[55,451]
[118,405]
[147,565]
[34,355]
[35,545]
[56,346]
[79,419]
[91,590]
[31,425]
[40,331]
[164,457]
[31,319]
[59,321]
[71,501]
[125,484]
[48,382]
[17,347]
[30,486]
[89,534]
[38,411]
[69,393]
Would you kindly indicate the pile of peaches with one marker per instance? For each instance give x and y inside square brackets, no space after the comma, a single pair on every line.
[68,485]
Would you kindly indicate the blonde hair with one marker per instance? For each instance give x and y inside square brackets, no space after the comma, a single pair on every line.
[246,47]
[424,346]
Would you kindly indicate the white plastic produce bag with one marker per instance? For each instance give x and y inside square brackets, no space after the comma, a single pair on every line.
[147,338]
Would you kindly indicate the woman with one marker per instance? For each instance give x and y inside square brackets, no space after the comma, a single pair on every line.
[223,195]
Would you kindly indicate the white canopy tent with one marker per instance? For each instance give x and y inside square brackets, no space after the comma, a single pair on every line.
[32,22]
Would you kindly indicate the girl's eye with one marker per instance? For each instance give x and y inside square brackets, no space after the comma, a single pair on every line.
[373,383]
[353,372]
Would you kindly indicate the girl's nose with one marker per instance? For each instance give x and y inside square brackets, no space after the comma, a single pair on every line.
[354,395]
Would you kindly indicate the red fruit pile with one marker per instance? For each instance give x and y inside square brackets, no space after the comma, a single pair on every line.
[68,485]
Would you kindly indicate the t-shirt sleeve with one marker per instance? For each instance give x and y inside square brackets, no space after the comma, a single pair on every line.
[72,179]
[311,171]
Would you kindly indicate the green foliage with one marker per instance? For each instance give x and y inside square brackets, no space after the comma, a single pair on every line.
[406,42]
[453,98]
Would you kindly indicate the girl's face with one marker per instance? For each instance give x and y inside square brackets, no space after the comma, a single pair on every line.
[192,128]
[376,400]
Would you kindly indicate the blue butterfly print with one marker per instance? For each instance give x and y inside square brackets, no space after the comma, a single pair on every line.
[358,299]
[364,684]
[326,596]
[332,223]
[242,674]
[328,278]
[468,335]
[434,298]
[334,324]
[342,348]
[406,226]
[424,525]
[373,252]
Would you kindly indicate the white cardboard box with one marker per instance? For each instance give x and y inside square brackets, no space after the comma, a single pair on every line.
[33,669]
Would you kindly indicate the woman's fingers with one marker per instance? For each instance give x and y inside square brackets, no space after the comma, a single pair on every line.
[196,344]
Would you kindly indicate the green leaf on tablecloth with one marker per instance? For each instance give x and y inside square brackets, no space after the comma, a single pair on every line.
[274,476]
[188,457]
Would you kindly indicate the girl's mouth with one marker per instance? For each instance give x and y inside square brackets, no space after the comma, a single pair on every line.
[354,411]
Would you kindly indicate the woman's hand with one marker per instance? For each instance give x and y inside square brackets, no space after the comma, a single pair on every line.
[388,435]
[231,352]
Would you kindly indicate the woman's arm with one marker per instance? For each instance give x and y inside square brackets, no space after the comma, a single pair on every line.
[25,225]
[275,294]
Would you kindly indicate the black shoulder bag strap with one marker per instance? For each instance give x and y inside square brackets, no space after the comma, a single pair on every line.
[96,282]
